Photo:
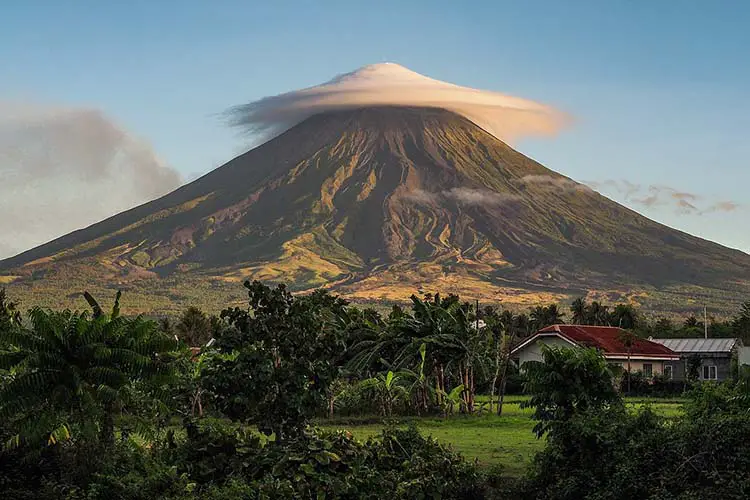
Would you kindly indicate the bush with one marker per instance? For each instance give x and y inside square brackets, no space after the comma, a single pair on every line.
[414,466]
[220,461]
[612,453]
[133,472]
[662,387]
[354,399]
[657,386]
[214,451]
[600,453]
[315,465]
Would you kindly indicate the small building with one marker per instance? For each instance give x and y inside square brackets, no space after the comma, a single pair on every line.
[713,356]
[645,356]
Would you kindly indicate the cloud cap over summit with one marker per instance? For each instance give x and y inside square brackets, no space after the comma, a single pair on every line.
[388,84]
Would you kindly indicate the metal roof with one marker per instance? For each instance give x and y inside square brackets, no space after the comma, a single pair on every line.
[698,345]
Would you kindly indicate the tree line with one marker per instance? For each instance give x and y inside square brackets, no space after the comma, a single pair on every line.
[435,355]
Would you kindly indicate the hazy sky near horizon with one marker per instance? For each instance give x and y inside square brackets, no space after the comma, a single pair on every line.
[659,91]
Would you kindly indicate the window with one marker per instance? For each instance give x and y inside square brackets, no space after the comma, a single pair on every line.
[709,372]
[648,369]
[668,372]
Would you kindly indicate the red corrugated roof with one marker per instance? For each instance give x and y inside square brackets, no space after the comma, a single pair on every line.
[608,340]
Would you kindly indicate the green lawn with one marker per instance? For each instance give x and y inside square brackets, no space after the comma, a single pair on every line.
[505,441]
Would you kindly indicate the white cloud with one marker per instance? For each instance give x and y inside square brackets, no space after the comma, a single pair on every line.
[506,117]
[421,196]
[557,183]
[66,168]
[481,197]
[465,196]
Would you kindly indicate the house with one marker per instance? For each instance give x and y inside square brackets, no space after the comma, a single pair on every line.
[713,356]
[645,356]
[744,356]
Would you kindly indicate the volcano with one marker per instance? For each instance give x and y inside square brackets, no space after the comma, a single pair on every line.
[378,202]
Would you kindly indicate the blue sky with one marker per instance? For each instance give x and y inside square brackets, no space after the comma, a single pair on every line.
[659,90]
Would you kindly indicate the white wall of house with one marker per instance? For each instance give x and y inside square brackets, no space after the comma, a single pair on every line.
[744,356]
[636,365]
[533,351]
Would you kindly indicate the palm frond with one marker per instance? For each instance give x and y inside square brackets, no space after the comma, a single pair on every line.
[99,375]
[60,433]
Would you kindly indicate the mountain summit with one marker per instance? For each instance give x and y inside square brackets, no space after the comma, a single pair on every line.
[378,202]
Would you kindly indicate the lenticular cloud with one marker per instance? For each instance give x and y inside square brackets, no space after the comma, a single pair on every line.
[506,117]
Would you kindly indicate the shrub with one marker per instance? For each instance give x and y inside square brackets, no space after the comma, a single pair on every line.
[414,466]
[356,399]
[135,473]
[611,453]
[214,451]
[314,465]
[599,453]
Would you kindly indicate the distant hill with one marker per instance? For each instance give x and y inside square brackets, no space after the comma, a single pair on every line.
[377,203]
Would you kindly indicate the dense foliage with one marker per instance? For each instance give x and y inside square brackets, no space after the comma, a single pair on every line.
[77,386]
[101,405]
[276,360]
[605,451]
[568,382]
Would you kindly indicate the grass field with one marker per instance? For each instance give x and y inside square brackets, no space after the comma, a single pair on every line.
[506,441]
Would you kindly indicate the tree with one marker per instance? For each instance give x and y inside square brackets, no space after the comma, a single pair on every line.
[537,317]
[566,382]
[579,311]
[691,322]
[70,370]
[456,349]
[524,326]
[419,387]
[445,326]
[495,328]
[664,328]
[553,315]
[542,317]
[504,329]
[741,323]
[691,328]
[275,361]
[9,313]
[194,327]
[628,340]
[598,314]
[624,316]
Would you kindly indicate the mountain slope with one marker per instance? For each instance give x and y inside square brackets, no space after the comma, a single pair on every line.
[378,202]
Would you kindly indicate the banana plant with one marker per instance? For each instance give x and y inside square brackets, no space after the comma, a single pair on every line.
[452,399]
[389,388]
[420,386]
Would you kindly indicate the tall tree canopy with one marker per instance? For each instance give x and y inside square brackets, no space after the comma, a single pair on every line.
[277,358]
